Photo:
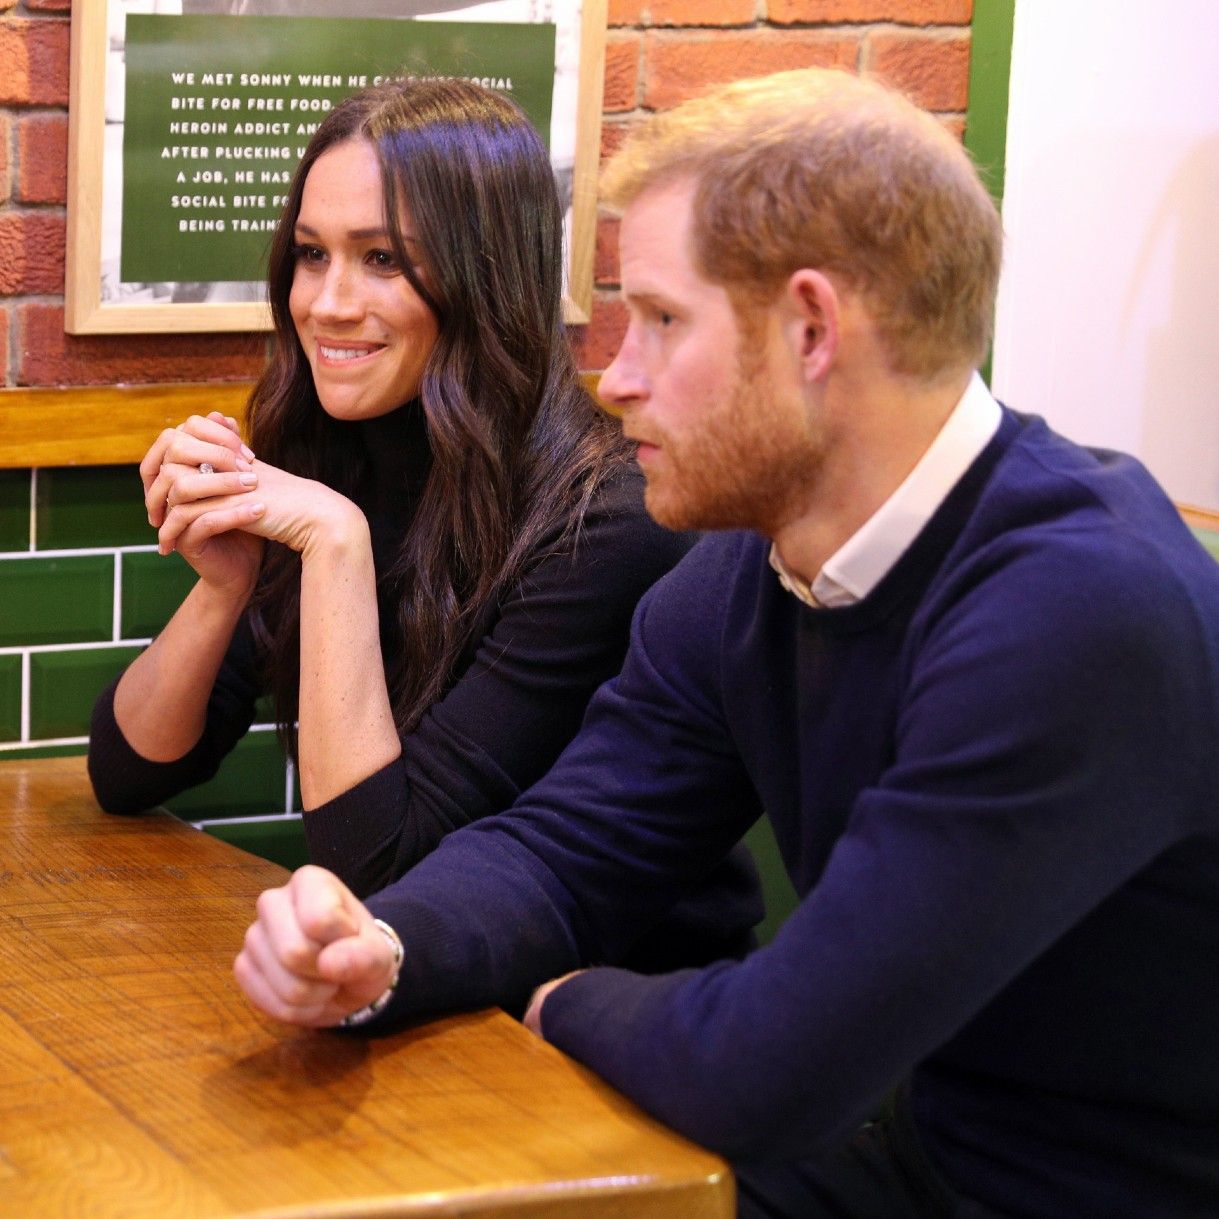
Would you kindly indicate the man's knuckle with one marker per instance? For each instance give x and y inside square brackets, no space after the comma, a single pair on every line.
[296,957]
[297,993]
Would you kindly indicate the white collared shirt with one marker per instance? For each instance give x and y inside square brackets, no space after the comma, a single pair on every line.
[868,555]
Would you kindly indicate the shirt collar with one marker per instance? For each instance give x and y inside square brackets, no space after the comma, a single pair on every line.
[870,553]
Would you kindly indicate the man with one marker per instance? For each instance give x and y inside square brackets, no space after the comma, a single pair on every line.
[967,668]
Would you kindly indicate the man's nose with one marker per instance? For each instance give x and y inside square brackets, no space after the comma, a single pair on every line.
[623,381]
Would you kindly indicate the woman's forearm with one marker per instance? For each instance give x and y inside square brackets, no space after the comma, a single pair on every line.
[346,728]
[160,703]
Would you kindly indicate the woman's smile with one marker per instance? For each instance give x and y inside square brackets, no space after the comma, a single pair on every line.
[345,353]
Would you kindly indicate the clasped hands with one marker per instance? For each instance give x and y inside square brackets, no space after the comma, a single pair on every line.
[314,954]
[218,519]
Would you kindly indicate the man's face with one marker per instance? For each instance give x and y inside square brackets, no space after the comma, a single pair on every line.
[723,433]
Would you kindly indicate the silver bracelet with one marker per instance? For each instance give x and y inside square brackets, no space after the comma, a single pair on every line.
[364,1014]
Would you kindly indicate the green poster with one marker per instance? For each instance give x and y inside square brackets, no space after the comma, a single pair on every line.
[218,111]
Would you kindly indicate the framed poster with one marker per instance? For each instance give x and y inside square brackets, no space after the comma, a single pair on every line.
[188,118]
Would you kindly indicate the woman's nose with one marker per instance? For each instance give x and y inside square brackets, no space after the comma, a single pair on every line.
[339,296]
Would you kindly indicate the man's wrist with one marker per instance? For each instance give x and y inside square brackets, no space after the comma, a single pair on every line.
[533,1014]
[364,1014]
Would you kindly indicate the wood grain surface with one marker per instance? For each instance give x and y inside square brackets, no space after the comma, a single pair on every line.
[135,1081]
[102,425]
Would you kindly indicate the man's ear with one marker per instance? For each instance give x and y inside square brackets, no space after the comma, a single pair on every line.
[813,302]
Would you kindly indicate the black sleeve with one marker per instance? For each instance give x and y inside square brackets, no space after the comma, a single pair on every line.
[125,782]
[555,638]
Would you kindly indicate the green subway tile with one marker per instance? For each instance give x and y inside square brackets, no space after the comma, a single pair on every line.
[88,506]
[282,842]
[41,751]
[64,685]
[153,588]
[1210,539]
[10,698]
[14,509]
[68,600]
[250,781]
[777,891]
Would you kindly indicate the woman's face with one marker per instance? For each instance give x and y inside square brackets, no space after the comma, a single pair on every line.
[366,332]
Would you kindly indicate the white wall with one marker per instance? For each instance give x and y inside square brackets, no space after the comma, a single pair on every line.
[1109,305]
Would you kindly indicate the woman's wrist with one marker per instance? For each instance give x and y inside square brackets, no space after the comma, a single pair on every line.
[224,601]
[337,533]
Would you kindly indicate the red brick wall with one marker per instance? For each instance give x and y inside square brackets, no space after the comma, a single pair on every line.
[657,53]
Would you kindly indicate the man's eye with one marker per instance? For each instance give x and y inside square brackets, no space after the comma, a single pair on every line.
[665,319]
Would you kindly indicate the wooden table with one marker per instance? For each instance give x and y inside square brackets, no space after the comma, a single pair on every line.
[135,1080]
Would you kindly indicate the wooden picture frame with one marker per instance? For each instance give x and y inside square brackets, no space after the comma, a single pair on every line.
[95,304]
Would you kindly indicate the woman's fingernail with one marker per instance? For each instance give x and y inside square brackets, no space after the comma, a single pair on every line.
[247,452]
[242,464]
[248,480]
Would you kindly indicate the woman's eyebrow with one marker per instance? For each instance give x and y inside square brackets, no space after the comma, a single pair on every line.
[352,234]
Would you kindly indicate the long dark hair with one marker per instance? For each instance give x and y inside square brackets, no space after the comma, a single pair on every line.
[517,445]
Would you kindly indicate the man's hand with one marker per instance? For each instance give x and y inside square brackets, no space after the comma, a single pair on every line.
[533,1014]
[314,954]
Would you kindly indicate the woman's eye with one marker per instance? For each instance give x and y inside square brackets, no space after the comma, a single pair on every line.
[307,253]
[383,260]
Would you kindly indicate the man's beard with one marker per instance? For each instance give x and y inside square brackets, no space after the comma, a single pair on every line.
[739,470]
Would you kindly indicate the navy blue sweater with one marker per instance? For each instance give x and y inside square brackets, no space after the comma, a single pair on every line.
[994,785]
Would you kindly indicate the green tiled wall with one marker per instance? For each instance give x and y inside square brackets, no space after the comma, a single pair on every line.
[91,506]
[1210,539]
[76,606]
[280,840]
[250,781]
[64,685]
[60,600]
[14,510]
[153,586]
[10,698]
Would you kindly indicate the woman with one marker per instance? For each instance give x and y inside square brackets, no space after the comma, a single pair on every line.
[431,552]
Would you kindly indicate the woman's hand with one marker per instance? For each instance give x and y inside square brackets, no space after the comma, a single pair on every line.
[216,520]
[277,506]
[304,514]
[178,493]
